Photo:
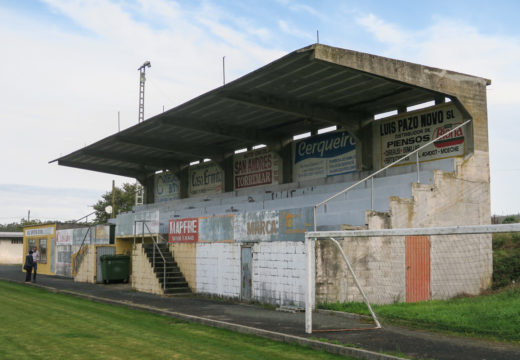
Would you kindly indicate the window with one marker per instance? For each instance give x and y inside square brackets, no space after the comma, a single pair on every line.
[43,251]
[16,241]
[32,244]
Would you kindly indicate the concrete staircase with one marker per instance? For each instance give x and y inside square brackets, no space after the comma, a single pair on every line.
[175,282]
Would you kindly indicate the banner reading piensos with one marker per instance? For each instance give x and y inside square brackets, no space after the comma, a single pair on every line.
[403,134]
[184,230]
[254,168]
[324,155]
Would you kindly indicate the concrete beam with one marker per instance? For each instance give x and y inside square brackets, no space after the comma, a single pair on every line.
[116,170]
[134,159]
[197,152]
[327,115]
[236,132]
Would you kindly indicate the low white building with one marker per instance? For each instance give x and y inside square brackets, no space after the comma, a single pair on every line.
[11,247]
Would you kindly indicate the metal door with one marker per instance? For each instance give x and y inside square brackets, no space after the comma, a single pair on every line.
[417,268]
[245,293]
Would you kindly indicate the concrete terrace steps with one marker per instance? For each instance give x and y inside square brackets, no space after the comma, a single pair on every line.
[174,281]
[346,209]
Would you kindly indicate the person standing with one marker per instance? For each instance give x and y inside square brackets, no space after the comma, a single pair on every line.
[28,266]
[36,260]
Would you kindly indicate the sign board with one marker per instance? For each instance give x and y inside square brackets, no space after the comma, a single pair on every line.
[205,178]
[402,134]
[217,228]
[64,237]
[273,225]
[324,155]
[40,231]
[268,225]
[166,187]
[255,168]
[184,230]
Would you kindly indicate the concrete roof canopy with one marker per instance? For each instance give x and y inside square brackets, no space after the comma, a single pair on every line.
[308,89]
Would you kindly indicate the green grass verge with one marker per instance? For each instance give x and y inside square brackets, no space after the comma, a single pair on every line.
[494,316]
[36,324]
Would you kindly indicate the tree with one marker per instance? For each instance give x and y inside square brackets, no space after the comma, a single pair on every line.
[18,226]
[124,200]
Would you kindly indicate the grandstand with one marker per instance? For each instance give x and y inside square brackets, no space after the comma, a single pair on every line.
[232,188]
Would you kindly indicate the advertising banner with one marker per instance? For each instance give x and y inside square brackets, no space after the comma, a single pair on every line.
[205,178]
[268,225]
[324,155]
[40,231]
[273,225]
[217,228]
[166,187]
[402,134]
[255,168]
[184,230]
[64,237]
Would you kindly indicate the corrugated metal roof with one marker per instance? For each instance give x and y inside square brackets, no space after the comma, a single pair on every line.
[10,235]
[297,93]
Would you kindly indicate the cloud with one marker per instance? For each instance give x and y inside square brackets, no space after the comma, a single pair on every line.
[71,70]
[292,30]
[383,31]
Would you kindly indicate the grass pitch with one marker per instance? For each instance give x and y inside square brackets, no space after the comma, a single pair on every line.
[36,324]
[493,316]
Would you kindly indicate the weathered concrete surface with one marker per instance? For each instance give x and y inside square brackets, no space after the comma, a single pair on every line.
[281,326]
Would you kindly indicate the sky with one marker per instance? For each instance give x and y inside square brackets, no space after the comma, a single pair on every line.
[69,67]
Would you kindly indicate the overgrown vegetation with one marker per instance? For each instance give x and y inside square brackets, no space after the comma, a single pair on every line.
[506,259]
[496,315]
[18,226]
[36,324]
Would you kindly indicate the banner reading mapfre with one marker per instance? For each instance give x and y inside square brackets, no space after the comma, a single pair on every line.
[400,135]
[184,230]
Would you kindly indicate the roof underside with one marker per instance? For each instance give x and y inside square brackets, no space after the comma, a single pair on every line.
[295,94]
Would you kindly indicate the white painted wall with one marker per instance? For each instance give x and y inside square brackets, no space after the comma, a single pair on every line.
[11,253]
[278,271]
[218,269]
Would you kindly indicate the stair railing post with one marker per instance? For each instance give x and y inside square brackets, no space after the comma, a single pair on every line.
[417,162]
[372,193]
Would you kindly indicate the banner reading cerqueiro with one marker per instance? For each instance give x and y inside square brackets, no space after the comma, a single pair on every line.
[324,155]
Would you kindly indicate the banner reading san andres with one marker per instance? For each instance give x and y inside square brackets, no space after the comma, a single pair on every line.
[402,134]
[324,155]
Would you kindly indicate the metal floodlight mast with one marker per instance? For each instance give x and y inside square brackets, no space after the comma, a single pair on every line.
[139,198]
[142,79]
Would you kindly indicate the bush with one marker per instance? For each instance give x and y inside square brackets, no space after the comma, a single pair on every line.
[506,259]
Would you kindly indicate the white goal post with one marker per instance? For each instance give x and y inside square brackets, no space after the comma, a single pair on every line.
[313,236]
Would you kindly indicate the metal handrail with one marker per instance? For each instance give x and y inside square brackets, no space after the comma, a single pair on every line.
[84,217]
[155,245]
[80,254]
[371,176]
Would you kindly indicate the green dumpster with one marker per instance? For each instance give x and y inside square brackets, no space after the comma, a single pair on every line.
[115,268]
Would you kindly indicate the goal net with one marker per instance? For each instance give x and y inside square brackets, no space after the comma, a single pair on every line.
[398,265]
